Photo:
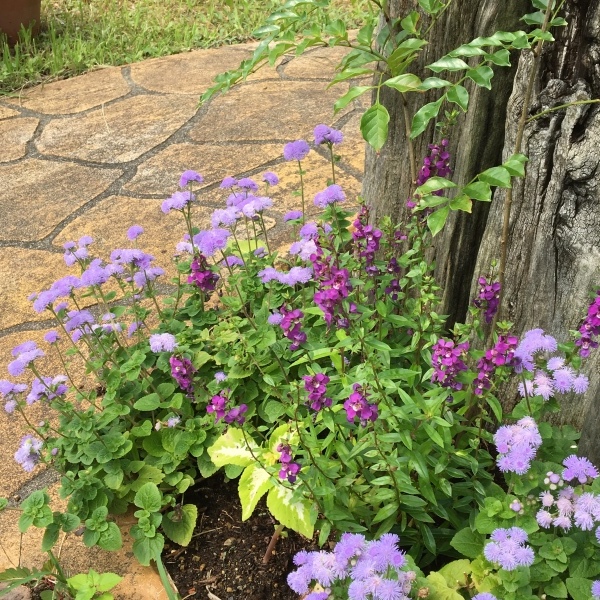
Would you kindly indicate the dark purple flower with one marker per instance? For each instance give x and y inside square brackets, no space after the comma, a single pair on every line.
[201,275]
[488,298]
[296,150]
[289,469]
[182,370]
[590,328]
[447,362]
[291,323]
[502,354]
[316,386]
[358,406]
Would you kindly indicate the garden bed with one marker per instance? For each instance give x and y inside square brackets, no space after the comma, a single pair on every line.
[225,554]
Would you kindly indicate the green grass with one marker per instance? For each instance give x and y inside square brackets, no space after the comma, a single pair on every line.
[79,35]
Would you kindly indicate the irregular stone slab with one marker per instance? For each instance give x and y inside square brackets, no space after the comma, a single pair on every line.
[75,95]
[120,132]
[352,149]
[18,593]
[190,72]
[36,195]
[23,272]
[160,174]
[15,133]
[316,64]
[7,112]
[270,110]
[109,221]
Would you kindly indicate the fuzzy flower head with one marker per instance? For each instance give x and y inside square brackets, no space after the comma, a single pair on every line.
[270,178]
[188,176]
[296,150]
[29,453]
[134,232]
[508,548]
[178,201]
[24,355]
[327,135]
[579,468]
[162,342]
[517,445]
[329,195]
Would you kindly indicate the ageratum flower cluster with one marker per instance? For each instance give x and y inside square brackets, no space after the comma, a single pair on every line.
[508,548]
[363,569]
[517,445]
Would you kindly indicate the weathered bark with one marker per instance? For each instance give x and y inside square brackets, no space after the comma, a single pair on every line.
[476,142]
[554,247]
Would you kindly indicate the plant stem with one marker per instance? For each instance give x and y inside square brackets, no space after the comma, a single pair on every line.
[272,542]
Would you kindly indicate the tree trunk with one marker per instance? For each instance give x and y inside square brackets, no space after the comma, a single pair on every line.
[554,246]
[554,252]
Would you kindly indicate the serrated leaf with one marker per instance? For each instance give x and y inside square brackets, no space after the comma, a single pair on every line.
[479,190]
[253,485]
[448,63]
[147,549]
[468,543]
[459,95]
[579,588]
[231,449]
[482,76]
[149,497]
[295,513]
[497,176]
[455,573]
[404,83]
[107,581]
[110,539]
[436,220]
[179,525]
[374,126]
[439,590]
[350,95]
[423,116]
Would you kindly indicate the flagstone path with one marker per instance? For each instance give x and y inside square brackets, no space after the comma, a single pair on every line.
[97,153]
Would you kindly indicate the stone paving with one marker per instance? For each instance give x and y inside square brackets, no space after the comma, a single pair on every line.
[97,153]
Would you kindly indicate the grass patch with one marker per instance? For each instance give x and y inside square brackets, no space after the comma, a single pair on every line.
[79,35]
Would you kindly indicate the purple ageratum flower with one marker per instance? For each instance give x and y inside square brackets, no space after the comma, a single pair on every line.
[309,231]
[220,376]
[9,392]
[225,216]
[517,445]
[25,354]
[580,384]
[484,596]
[563,379]
[79,319]
[289,469]
[142,278]
[248,184]
[488,298]
[178,201]
[134,327]
[162,342]
[296,150]
[590,328]
[447,362]
[533,341]
[47,388]
[256,206]
[182,370]
[294,276]
[260,252]
[579,468]
[292,215]
[233,261]
[327,135]
[228,182]
[134,232]
[29,453]
[508,549]
[329,195]
[596,590]
[173,421]
[208,242]
[131,257]
[270,178]
[304,249]
[274,319]
[188,176]
[358,406]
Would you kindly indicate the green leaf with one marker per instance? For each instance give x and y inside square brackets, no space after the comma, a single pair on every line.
[556,589]
[434,83]
[295,513]
[404,54]
[147,549]
[253,485]
[404,83]
[462,202]
[179,524]
[433,184]
[149,402]
[436,220]
[455,572]
[107,581]
[423,116]
[439,590]
[468,543]
[459,95]
[497,176]
[149,497]
[447,63]
[50,537]
[231,449]
[433,435]
[500,58]
[350,95]
[374,126]
[479,190]
[482,76]
[3,503]
[110,539]
[579,588]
